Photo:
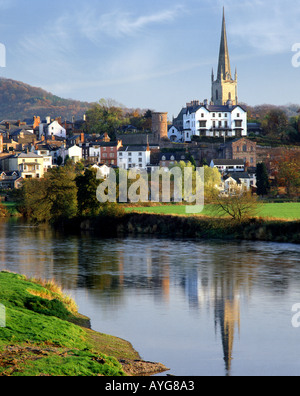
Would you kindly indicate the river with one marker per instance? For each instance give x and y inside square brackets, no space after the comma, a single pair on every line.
[202,308]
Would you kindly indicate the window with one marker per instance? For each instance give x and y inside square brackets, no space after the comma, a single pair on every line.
[238,115]
[214,114]
[238,148]
[220,115]
[202,124]
[245,148]
[202,115]
[251,160]
[220,124]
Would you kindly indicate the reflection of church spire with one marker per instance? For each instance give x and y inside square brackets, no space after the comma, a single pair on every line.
[227,313]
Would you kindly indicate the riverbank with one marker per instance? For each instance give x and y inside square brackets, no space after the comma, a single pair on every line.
[42,333]
[201,227]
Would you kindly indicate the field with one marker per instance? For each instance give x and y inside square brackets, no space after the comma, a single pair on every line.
[286,211]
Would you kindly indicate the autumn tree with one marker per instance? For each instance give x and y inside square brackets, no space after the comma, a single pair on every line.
[289,173]
[105,116]
[275,123]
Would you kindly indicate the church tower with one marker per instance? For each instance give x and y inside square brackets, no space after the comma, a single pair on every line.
[224,88]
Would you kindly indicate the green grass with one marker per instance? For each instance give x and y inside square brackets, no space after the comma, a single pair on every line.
[287,211]
[11,207]
[38,317]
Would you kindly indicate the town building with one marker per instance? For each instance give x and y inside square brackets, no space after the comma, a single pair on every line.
[49,128]
[29,165]
[228,165]
[244,149]
[137,157]
[109,152]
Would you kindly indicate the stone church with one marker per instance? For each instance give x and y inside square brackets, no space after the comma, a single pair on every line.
[222,116]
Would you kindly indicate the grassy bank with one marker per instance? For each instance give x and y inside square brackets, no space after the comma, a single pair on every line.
[43,334]
[285,211]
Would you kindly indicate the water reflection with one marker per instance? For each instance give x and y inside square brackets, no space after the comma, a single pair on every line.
[213,277]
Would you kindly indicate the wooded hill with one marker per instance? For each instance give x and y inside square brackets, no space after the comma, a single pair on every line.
[19,101]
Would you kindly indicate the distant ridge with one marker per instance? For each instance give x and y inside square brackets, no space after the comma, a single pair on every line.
[19,101]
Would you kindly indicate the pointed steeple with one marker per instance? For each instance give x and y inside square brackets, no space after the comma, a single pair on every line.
[224,61]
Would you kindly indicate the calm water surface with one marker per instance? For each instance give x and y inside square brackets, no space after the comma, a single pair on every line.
[200,307]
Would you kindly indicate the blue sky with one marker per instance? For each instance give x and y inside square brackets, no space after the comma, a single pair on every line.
[154,54]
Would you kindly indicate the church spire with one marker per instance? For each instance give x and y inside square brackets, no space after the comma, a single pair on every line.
[224,61]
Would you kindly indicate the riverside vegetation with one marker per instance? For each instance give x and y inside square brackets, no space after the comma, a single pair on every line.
[45,335]
[67,199]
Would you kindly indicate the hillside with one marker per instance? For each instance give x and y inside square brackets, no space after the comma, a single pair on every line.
[19,101]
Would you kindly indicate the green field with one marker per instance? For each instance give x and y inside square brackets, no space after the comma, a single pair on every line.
[287,211]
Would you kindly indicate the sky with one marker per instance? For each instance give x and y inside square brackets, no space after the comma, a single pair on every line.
[155,54]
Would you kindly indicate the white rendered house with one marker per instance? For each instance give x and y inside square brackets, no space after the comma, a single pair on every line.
[214,121]
[134,157]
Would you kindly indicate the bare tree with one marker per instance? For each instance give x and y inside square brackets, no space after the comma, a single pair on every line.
[239,205]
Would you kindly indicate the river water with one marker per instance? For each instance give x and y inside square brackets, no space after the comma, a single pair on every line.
[202,308]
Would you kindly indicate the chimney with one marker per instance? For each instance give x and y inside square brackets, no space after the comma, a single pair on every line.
[52,137]
[36,122]
[48,120]
[7,125]
[82,138]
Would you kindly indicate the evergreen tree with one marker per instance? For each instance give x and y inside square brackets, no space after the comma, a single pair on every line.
[87,185]
[262,179]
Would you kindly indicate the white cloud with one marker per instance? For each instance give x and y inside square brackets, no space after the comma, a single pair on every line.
[120,23]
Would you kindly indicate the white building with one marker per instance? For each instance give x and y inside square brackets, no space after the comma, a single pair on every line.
[103,171]
[74,153]
[175,135]
[228,165]
[49,129]
[137,157]
[214,121]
